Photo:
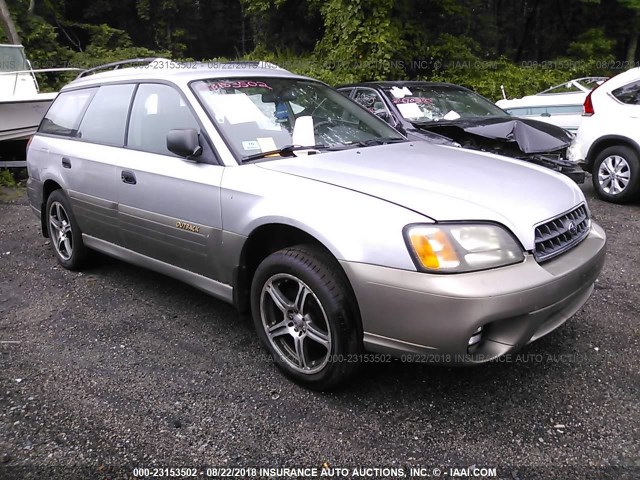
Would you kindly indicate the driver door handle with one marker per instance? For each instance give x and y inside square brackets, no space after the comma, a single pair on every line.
[128,177]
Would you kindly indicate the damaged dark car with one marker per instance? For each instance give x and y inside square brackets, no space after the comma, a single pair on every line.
[447,114]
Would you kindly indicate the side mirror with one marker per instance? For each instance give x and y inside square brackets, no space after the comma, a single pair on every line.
[184,142]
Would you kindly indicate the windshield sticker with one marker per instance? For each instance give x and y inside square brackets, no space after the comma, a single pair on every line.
[250,145]
[238,84]
[451,115]
[418,100]
[235,108]
[400,92]
[410,110]
[267,144]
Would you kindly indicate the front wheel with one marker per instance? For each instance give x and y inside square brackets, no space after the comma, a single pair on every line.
[305,315]
[616,174]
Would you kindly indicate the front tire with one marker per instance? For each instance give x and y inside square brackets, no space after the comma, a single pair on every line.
[64,233]
[305,315]
[616,174]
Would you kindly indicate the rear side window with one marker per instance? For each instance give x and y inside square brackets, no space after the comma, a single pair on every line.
[156,110]
[106,118]
[629,94]
[66,112]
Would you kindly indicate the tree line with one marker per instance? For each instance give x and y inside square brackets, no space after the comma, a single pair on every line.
[524,44]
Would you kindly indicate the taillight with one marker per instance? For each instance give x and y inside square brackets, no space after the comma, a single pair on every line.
[587,107]
[29,142]
[588,104]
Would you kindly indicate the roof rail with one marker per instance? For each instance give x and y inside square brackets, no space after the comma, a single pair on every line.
[116,65]
[149,60]
[251,63]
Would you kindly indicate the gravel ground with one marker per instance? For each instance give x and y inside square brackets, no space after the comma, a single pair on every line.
[117,367]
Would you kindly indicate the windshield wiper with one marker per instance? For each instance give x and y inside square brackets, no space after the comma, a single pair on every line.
[286,151]
[377,141]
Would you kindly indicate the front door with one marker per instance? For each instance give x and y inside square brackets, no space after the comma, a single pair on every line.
[169,207]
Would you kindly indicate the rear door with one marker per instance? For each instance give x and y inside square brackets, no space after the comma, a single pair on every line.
[82,132]
[93,175]
[169,207]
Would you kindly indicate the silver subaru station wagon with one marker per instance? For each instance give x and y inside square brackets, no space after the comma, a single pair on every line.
[346,242]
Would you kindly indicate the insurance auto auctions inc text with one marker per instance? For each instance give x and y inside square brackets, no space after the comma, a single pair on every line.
[377,472]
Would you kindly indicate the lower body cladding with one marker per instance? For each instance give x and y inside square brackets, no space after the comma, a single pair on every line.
[475,317]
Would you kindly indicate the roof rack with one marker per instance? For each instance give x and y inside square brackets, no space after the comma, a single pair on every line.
[248,63]
[134,61]
[117,65]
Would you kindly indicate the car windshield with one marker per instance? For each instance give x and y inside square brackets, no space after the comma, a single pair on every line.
[261,115]
[579,85]
[433,103]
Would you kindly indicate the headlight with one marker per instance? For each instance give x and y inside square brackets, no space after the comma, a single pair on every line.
[456,248]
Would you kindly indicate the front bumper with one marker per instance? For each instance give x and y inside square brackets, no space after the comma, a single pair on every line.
[433,316]
[561,165]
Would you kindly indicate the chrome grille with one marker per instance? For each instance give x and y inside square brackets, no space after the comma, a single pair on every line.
[562,233]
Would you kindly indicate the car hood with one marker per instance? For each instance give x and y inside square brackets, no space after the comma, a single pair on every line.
[445,183]
[531,136]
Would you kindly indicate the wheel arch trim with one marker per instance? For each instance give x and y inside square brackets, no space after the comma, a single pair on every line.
[607,141]
[50,183]
[245,266]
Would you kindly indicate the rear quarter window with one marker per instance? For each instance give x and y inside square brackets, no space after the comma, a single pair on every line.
[629,94]
[66,112]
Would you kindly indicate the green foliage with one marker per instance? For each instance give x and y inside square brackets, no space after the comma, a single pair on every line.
[471,42]
[530,77]
[361,39]
[6,179]
[592,44]
[108,45]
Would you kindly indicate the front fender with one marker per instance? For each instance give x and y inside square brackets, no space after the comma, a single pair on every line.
[353,226]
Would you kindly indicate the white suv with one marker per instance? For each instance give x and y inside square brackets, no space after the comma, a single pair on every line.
[607,143]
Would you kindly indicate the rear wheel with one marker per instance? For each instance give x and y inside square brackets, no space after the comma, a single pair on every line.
[304,314]
[616,174]
[64,233]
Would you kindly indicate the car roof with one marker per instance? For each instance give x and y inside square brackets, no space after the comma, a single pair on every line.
[402,83]
[177,72]
[621,79]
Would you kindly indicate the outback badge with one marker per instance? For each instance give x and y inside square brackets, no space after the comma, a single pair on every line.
[188,227]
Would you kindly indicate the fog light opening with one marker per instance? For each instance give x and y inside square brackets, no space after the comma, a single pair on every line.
[475,339]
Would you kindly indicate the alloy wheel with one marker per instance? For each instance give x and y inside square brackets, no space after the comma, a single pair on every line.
[614,174]
[60,230]
[295,323]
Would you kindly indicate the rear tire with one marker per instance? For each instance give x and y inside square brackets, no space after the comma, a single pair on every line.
[64,233]
[616,174]
[305,315]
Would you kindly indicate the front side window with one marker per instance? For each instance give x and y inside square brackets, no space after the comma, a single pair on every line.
[434,103]
[370,99]
[157,109]
[257,115]
[629,94]
[66,112]
[106,117]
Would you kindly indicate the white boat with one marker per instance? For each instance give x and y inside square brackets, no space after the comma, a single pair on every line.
[22,106]
[560,105]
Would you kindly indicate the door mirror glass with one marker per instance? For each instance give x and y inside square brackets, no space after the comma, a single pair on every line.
[184,142]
